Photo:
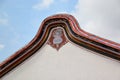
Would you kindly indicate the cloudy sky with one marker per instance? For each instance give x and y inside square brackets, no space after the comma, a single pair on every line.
[20,19]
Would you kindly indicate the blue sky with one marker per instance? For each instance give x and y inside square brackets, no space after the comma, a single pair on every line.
[20,19]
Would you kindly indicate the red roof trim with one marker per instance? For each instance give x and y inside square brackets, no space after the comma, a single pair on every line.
[110,48]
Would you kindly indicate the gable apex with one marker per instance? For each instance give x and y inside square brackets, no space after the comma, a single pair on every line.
[69,30]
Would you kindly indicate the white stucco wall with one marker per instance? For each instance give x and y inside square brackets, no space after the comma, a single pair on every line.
[69,63]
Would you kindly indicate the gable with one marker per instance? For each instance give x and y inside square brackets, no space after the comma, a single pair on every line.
[69,63]
[58,31]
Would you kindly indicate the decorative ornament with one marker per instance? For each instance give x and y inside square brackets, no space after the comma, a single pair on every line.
[57,38]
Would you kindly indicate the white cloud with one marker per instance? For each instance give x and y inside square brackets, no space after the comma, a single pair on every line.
[64,0]
[100,17]
[3,18]
[62,12]
[2,46]
[3,21]
[44,4]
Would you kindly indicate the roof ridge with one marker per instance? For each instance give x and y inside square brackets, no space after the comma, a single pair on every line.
[75,34]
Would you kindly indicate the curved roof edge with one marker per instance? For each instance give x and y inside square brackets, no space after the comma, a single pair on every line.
[74,33]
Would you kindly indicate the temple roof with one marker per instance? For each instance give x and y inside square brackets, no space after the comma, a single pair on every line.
[74,34]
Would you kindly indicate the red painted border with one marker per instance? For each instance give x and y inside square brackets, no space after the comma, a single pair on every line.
[17,58]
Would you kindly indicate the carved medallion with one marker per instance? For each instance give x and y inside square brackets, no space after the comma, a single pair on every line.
[57,38]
